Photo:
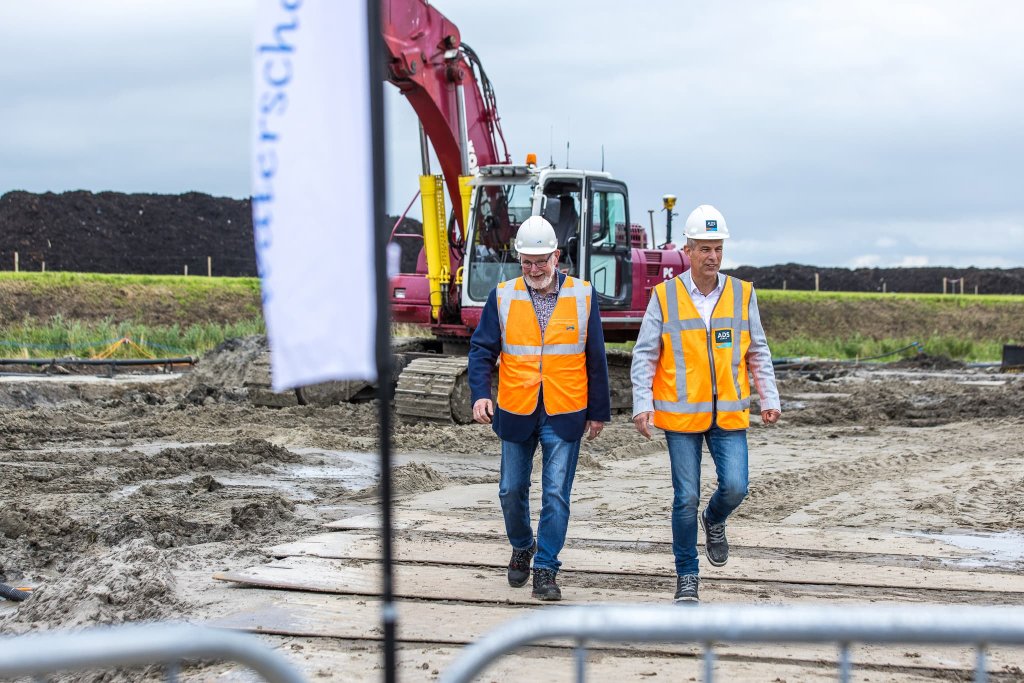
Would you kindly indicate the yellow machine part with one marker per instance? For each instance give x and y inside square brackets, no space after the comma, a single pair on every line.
[435,239]
[466,192]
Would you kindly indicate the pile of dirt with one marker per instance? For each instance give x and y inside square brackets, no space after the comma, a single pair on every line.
[113,232]
[133,583]
[169,499]
[921,280]
[221,372]
[416,477]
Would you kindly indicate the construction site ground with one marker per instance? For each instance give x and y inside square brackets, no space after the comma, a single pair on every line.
[171,497]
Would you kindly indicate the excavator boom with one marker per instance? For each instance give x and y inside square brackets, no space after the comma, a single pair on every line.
[447,87]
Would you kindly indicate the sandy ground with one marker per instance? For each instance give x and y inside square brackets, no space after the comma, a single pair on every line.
[122,498]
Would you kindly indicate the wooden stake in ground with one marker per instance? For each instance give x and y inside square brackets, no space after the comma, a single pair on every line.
[15,262]
[209,266]
[817,282]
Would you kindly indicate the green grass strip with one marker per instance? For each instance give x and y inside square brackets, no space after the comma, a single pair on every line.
[59,338]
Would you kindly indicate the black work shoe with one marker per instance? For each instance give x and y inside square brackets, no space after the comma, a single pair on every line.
[686,589]
[519,566]
[544,586]
[716,545]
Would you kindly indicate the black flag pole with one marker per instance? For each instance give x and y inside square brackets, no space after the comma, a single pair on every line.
[383,332]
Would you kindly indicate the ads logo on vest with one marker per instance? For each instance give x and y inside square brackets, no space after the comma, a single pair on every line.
[723,339]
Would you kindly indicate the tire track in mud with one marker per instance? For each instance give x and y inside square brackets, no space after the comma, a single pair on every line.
[993,505]
[773,496]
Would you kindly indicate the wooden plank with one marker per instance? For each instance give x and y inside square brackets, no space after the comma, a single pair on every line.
[741,535]
[492,554]
[465,584]
[489,585]
[318,615]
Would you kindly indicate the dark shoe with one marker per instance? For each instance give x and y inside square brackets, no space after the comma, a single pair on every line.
[716,545]
[544,586]
[519,566]
[686,589]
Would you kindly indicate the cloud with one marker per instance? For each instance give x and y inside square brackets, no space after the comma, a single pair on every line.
[825,132]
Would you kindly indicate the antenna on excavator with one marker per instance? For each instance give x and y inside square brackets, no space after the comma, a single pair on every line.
[568,127]
[602,158]
[551,145]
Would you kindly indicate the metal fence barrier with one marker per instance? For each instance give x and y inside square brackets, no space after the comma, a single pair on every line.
[133,646]
[710,624]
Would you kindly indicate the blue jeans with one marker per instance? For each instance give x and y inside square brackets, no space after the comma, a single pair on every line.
[559,463]
[729,451]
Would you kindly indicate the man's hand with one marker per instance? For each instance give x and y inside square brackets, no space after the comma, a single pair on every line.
[594,427]
[482,411]
[643,423]
[770,417]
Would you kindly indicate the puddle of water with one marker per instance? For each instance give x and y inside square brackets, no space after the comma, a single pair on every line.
[353,471]
[1003,549]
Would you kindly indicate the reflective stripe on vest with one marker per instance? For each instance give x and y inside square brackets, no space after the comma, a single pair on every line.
[557,362]
[703,371]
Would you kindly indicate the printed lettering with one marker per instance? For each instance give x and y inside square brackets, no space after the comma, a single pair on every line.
[277,81]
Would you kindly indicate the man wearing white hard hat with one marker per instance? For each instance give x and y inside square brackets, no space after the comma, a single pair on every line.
[700,345]
[545,328]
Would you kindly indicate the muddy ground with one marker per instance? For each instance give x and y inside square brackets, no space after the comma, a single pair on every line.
[120,498]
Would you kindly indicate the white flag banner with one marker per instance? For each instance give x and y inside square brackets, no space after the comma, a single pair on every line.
[312,185]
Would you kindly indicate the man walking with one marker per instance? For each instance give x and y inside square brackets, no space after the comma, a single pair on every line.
[552,388]
[700,344]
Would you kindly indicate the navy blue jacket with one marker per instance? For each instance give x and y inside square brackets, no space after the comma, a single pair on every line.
[484,349]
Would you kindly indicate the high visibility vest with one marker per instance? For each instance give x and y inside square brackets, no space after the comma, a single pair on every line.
[558,362]
[703,371]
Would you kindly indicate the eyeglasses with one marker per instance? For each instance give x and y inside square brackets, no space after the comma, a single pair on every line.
[535,264]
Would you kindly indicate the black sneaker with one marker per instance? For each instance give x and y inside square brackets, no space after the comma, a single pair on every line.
[519,566]
[716,545]
[686,589]
[544,586]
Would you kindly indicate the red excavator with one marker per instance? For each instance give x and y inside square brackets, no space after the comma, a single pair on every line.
[455,263]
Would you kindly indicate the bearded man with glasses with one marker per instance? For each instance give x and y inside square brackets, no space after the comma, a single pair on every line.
[545,327]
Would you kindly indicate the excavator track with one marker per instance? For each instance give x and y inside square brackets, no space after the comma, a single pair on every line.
[435,389]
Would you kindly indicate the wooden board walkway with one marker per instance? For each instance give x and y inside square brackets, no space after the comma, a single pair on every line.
[440,623]
[740,535]
[489,553]
[451,590]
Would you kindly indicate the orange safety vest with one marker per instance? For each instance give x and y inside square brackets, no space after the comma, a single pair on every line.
[702,371]
[558,362]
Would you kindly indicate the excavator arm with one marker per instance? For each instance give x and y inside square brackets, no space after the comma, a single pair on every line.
[447,87]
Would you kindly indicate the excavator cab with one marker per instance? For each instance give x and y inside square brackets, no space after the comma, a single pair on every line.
[588,210]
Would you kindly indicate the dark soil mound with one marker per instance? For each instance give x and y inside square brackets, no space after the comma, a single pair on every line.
[924,280]
[111,232]
[149,234]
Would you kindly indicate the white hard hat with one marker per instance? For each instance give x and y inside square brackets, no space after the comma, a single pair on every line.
[536,237]
[706,223]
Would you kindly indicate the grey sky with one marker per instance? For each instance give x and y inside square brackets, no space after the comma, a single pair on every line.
[884,132]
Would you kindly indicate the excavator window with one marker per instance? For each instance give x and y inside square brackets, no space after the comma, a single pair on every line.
[610,271]
[567,223]
[496,217]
